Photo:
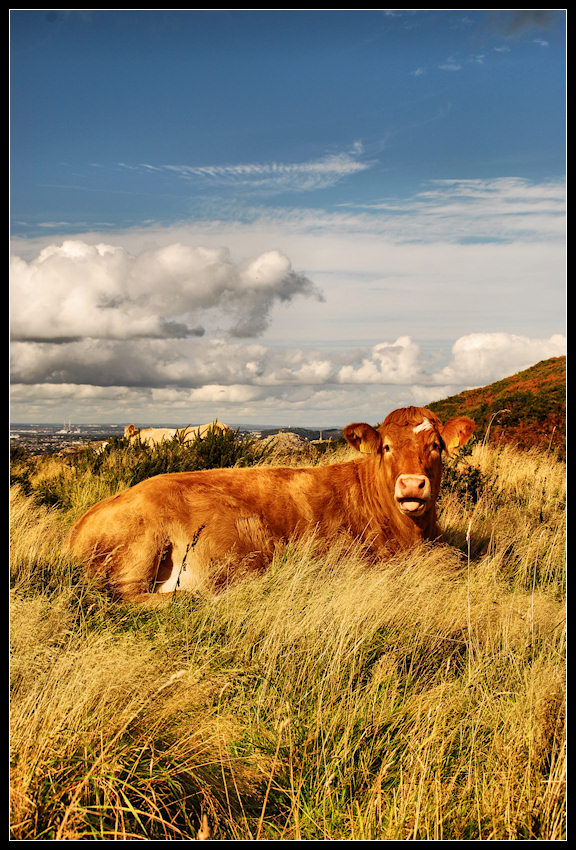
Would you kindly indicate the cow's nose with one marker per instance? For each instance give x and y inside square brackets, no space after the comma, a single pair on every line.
[412,486]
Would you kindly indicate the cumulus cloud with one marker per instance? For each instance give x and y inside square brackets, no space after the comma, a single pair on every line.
[115,326]
[75,290]
[476,359]
[481,358]
[192,380]
[386,363]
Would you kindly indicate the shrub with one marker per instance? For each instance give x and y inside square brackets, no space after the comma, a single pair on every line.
[68,482]
[215,449]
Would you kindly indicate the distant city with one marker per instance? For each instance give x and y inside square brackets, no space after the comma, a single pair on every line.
[48,437]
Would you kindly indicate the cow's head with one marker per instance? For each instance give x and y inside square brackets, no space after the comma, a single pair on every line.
[130,431]
[409,445]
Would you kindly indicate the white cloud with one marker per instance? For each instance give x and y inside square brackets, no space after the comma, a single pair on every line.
[253,383]
[205,368]
[482,358]
[387,363]
[454,210]
[77,290]
[307,176]
[450,65]
[457,286]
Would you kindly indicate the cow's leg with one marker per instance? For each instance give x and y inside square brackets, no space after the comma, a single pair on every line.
[180,568]
[132,567]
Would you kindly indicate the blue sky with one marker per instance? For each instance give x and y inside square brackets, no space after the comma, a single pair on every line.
[291,217]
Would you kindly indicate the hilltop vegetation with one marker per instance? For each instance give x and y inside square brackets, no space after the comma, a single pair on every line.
[527,409]
[420,700]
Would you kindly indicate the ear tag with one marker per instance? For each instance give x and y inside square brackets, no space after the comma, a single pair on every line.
[365,448]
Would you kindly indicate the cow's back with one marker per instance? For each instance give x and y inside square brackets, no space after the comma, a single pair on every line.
[223,511]
[284,497]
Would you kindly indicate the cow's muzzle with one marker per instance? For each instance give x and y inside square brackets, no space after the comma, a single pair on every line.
[413,494]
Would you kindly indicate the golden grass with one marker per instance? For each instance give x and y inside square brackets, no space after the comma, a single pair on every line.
[432,698]
[419,700]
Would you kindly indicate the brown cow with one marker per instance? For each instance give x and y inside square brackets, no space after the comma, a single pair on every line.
[153,436]
[195,529]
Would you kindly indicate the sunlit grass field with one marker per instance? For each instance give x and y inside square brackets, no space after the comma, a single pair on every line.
[423,699]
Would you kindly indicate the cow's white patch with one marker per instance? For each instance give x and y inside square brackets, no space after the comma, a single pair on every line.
[424,426]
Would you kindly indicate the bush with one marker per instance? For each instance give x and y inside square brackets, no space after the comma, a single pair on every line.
[461,478]
[216,448]
[68,482]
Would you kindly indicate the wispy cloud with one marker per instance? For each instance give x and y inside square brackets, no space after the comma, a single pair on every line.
[307,176]
[456,210]
[450,64]
[500,31]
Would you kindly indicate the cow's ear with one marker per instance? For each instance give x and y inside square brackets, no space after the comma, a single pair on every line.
[457,431]
[363,437]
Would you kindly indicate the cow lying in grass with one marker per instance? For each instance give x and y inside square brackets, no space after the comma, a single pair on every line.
[191,529]
[154,436]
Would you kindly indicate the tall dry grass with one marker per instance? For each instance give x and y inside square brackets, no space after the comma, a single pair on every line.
[517,518]
[420,700]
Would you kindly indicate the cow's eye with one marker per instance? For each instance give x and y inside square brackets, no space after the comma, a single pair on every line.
[386,447]
[435,446]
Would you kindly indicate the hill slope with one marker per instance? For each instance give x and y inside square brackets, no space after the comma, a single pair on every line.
[534,402]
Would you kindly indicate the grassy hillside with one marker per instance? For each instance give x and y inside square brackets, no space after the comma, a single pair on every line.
[422,699]
[528,409]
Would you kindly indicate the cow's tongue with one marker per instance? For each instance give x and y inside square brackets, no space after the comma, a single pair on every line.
[410,505]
